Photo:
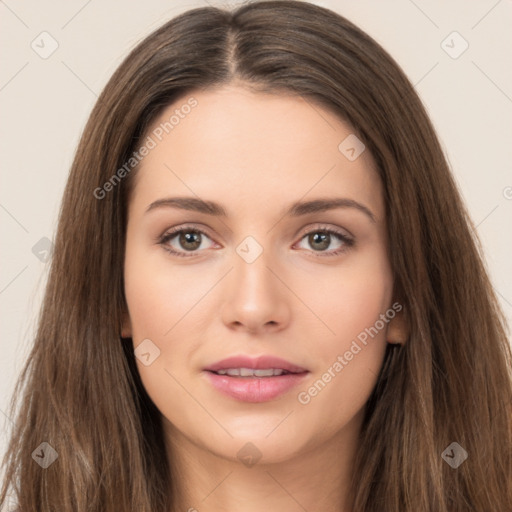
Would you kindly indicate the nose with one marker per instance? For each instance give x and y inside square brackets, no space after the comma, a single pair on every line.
[255,298]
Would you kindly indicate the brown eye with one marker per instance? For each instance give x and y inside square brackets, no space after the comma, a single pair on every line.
[179,242]
[319,241]
[189,240]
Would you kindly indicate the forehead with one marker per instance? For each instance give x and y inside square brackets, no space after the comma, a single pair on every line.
[246,149]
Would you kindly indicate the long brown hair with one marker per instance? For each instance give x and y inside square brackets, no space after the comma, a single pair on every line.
[451,382]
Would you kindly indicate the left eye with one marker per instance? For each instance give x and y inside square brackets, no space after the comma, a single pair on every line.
[321,239]
[191,241]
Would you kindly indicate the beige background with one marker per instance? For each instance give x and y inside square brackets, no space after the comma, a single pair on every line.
[45,102]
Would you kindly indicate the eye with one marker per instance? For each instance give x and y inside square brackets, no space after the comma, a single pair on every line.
[321,239]
[188,241]
[183,240]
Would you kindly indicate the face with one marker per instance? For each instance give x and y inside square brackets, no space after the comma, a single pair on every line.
[268,271]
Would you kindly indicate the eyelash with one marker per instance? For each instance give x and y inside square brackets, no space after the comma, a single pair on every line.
[169,235]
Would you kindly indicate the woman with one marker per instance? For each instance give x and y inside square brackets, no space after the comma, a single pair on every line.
[265,291]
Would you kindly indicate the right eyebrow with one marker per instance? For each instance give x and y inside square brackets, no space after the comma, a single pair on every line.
[189,203]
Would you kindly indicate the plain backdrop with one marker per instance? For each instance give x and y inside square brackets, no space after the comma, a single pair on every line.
[45,100]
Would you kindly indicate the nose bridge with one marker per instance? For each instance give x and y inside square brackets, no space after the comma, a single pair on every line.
[255,297]
[251,272]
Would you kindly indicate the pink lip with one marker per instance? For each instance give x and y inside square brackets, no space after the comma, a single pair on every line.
[255,389]
[258,363]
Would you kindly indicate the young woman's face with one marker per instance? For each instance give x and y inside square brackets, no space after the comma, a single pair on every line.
[264,272]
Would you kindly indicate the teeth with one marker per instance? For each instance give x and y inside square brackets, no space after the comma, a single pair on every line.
[265,373]
[249,372]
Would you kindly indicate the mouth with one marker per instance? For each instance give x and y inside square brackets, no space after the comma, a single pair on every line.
[250,373]
[254,380]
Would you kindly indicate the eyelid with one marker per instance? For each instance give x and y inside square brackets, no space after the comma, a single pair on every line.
[302,232]
[184,227]
[318,226]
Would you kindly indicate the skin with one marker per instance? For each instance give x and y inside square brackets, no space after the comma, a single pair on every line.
[255,154]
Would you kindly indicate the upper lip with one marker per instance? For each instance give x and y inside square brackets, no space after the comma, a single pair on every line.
[255,363]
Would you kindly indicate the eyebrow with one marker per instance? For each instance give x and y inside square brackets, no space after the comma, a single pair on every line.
[296,209]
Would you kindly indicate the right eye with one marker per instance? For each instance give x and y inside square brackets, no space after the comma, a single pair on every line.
[183,240]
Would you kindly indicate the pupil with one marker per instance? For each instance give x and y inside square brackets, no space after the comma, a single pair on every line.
[319,237]
[190,240]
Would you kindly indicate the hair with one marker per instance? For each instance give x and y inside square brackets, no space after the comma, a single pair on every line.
[450,382]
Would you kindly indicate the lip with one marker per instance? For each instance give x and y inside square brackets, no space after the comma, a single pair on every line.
[255,389]
[255,363]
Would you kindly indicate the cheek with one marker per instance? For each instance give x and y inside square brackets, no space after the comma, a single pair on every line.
[159,295]
[166,307]
[159,302]
[348,299]
[350,349]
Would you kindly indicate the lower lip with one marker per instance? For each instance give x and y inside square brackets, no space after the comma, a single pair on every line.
[255,389]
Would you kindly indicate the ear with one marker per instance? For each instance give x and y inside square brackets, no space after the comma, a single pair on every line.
[126,326]
[397,330]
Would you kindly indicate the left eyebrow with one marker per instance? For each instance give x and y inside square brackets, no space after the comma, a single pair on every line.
[321,205]
[296,209]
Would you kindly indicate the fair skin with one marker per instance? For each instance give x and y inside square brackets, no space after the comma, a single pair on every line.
[255,154]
